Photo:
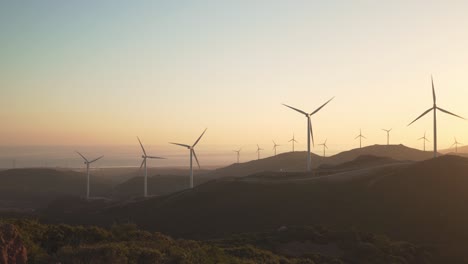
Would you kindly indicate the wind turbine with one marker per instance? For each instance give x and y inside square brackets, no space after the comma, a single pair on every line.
[293,140]
[258,151]
[192,154]
[424,140]
[434,108]
[274,146]
[87,162]
[324,144]
[145,156]
[360,136]
[456,145]
[388,135]
[309,129]
[238,153]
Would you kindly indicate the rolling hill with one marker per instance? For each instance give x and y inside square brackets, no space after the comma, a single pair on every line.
[422,202]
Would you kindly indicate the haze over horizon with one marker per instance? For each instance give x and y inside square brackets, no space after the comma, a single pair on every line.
[102,73]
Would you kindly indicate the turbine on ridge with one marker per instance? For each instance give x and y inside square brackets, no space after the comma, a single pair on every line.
[258,151]
[424,138]
[293,140]
[144,156]
[388,135]
[238,153]
[88,162]
[456,143]
[360,136]
[192,154]
[324,144]
[310,134]
[434,108]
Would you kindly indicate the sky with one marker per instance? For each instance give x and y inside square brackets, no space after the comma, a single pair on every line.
[91,73]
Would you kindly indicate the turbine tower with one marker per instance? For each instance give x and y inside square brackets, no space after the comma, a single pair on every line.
[145,156]
[424,140]
[309,129]
[360,136]
[434,108]
[293,140]
[258,152]
[238,153]
[324,144]
[456,143]
[274,146]
[388,135]
[87,162]
[192,154]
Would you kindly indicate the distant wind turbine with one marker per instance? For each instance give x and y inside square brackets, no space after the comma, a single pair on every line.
[87,162]
[309,129]
[424,141]
[145,156]
[293,140]
[388,134]
[274,146]
[324,144]
[192,154]
[360,136]
[434,108]
[258,151]
[238,153]
[456,143]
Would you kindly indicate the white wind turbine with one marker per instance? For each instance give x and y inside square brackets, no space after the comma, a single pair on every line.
[293,140]
[309,129]
[434,108]
[388,134]
[456,143]
[145,157]
[424,138]
[87,162]
[238,153]
[258,151]
[360,136]
[274,146]
[324,144]
[192,154]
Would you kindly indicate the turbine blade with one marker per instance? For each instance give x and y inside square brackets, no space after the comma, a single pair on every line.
[311,132]
[153,157]
[178,144]
[143,162]
[96,159]
[447,112]
[433,90]
[357,136]
[141,146]
[196,159]
[82,156]
[196,142]
[427,111]
[318,109]
[300,111]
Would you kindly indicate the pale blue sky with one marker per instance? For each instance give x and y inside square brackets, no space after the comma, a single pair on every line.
[102,72]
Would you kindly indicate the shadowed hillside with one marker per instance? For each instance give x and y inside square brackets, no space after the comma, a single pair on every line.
[21,188]
[423,202]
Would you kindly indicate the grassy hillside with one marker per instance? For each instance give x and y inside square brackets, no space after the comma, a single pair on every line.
[128,244]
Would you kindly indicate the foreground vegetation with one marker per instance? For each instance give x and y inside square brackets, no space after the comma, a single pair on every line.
[128,244]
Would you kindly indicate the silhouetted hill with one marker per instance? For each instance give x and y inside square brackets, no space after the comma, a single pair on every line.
[157,185]
[296,161]
[423,202]
[396,152]
[365,161]
[38,186]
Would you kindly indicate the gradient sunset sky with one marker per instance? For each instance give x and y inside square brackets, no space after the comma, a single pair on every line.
[103,72]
